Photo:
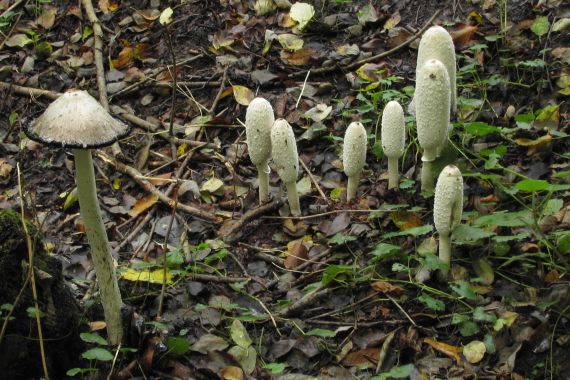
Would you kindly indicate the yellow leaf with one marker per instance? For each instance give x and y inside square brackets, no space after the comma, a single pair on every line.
[154,277]
[181,149]
[243,95]
[117,183]
[406,220]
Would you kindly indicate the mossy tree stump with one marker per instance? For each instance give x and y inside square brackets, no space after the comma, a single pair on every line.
[19,349]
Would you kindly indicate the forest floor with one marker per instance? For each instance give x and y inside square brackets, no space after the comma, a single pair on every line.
[253,293]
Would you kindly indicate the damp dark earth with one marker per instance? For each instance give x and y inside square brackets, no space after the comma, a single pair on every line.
[285,190]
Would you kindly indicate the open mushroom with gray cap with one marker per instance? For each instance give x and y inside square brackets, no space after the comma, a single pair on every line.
[76,120]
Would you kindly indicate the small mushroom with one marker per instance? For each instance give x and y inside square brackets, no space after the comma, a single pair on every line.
[447,208]
[436,43]
[393,139]
[431,99]
[76,120]
[258,122]
[286,160]
[354,156]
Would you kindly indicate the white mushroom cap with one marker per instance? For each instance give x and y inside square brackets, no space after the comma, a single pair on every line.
[258,122]
[285,156]
[432,107]
[436,43]
[448,200]
[354,151]
[393,130]
[77,120]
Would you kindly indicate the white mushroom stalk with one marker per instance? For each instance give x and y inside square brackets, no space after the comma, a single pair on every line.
[354,156]
[436,43]
[432,100]
[393,139]
[447,208]
[258,122]
[286,160]
[78,121]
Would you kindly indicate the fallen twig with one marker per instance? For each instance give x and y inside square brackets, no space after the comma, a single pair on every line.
[309,299]
[232,235]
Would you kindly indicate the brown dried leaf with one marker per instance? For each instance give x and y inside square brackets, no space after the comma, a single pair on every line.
[298,58]
[367,356]
[143,205]
[46,19]
[297,256]
[462,36]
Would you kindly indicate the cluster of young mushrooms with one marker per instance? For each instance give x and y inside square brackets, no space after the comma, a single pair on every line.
[434,101]
[76,120]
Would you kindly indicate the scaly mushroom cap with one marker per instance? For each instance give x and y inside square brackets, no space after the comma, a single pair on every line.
[436,43]
[354,152]
[77,120]
[285,156]
[448,202]
[258,122]
[432,107]
[393,130]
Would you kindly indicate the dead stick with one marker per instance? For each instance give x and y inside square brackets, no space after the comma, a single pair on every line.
[29,91]
[308,300]
[229,236]
[313,179]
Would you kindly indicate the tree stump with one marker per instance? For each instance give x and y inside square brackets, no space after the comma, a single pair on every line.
[20,356]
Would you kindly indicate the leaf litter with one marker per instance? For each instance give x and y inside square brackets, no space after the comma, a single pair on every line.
[507,305]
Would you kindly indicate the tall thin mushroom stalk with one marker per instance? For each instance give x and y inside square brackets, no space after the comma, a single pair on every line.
[78,121]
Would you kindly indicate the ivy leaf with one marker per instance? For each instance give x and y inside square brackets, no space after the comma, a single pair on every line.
[433,262]
[93,338]
[463,289]
[339,239]
[468,233]
[540,26]
[432,303]
[98,353]
[532,185]
[322,333]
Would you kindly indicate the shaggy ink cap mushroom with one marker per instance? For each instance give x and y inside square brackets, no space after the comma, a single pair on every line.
[77,120]
[286,160]
[447,208]
[393,139]
[354,156]
[259,119]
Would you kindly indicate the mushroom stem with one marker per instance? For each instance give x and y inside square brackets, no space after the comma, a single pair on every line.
[263,170]
[100,249]
[393,175]
[445,249]
[293,197]
[427,177]
[352,186]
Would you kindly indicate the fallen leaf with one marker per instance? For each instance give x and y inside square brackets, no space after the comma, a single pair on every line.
[243,95]
[446,349]
[474,351]
[143,204]
[154,277]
